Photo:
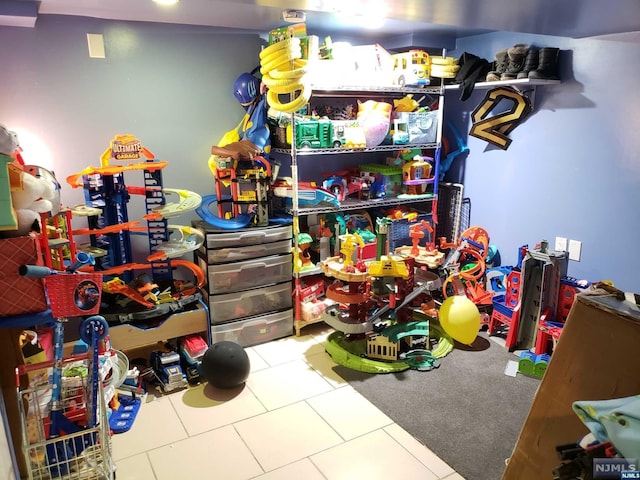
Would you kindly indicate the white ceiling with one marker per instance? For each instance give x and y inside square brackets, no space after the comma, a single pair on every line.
[453,18]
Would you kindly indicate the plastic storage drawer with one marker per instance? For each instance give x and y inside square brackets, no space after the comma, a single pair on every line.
[233,277]
[255,330]
[235,254]
[249,303]
[247,236]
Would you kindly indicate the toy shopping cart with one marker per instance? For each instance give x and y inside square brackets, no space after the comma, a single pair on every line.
[82,452]
[65,431]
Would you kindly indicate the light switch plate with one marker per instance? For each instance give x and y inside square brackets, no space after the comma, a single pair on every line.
[575,247]
[561,244]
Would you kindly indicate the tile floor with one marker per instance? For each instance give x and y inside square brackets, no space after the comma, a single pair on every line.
[295,418]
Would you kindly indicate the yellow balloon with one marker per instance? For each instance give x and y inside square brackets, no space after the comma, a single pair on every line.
[460,318]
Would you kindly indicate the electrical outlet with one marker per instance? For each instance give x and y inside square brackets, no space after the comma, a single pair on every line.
[575,246]
[561,244]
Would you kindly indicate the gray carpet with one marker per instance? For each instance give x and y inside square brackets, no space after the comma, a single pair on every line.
[467,411]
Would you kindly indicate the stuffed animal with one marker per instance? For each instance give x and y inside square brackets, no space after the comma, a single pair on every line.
[30,195]
[35,197]
[8,142]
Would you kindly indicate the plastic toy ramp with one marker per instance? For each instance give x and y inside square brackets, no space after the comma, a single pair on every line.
[337,293]
[118,286]
[204,212]
[333,317]
[187,201]
[409,329]
[350,354]
[445,342]
[109,229]
[197,271]
[82,210]
[190,239]
[379,313]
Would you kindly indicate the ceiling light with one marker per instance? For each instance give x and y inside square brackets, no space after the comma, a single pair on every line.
[166,2]
[294,16]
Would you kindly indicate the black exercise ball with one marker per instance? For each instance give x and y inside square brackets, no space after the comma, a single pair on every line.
[225,365]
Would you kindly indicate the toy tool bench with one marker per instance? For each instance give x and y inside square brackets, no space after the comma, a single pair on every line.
[248,282]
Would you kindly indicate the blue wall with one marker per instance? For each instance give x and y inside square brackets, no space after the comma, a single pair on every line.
[573,168]
[169,85]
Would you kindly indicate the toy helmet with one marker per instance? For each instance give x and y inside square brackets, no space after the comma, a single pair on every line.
[246,89]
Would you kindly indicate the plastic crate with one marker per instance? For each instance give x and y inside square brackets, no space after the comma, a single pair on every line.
[399,232]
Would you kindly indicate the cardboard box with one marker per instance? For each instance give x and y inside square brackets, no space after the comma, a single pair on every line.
[20,295]
[596,358]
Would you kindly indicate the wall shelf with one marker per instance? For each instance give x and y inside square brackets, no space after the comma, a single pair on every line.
[332,151]
[355,204]
[518,84]
[332,90]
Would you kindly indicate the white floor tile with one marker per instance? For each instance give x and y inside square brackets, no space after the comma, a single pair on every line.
[301,470]
[219,454]
[255,360]
[294,418]
[320,331]
[374,456]
[137,467]
[286,435]
[324,364]
[285,384]
[203,407]
[287,349]
[418,450]
[348,412]
[156,424]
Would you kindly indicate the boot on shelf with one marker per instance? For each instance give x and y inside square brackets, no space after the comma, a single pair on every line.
[516,56]
[547,65]
[500,65]
[530,63]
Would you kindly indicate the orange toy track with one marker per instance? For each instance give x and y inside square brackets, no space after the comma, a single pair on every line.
[142,266]
[118,286]
[75,179]
[337,293]
[110,229]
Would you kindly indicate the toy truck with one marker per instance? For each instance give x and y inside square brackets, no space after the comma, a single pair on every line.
[317,133]
[166,366]
[411,68]
[192,348]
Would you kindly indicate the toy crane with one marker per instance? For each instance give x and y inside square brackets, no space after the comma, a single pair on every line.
[348,244]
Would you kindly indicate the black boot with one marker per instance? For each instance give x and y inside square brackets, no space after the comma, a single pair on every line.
[517,55]
[531,63]
[499,66]
[547,65]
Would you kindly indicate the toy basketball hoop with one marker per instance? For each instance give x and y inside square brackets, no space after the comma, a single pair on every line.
[74,295]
